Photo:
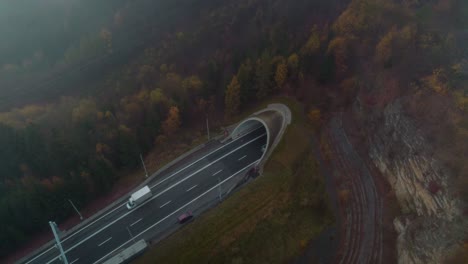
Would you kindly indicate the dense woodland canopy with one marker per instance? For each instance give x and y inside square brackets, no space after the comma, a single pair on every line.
[128,76]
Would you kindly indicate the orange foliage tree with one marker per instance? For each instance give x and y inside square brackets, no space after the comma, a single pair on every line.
[172,123]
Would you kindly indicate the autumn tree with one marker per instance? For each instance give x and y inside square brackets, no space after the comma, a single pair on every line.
[157,96]
[438,81]
[128,149]
[85,113]
[395,45]
[172,123]
[293,65]
[146,75]
[383,51]
[314,116]
[245,77]
[193,84]
[339,49]
[264,76]
[172,86]
[232,97]
[312,45]
[281,74]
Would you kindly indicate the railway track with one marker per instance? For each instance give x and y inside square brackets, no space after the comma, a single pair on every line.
[361,225]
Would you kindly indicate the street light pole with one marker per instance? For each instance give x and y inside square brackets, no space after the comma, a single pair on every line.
[74,207]
[56,231]
[219,189]
[144,167]
[207,127]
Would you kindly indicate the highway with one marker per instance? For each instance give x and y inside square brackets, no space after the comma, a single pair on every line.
[187,188]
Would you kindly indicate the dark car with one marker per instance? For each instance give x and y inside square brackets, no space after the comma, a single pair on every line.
[185,217]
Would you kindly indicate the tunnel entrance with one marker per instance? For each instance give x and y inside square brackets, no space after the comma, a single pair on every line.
[255,126]
[267,122]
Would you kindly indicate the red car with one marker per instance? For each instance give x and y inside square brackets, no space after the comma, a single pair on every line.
[185,217]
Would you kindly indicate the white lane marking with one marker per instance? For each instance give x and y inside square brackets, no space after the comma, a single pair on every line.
[74,261]
[217,172]
[73,234]
[241,158]
[173,174]
[88,225]
[136,222]
[191,188]
[155,196]
[105,241]
[157,223]
[165,204]
[117,248]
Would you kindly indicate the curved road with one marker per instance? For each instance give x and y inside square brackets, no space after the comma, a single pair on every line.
[189,188]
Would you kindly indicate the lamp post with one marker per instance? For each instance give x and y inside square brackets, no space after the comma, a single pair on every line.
[144,167]
[207,127]
[56,231]
[74,207]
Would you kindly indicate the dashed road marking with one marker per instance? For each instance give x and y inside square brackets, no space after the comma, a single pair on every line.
[165,204]
[191,188]
[134,223]
[105,241]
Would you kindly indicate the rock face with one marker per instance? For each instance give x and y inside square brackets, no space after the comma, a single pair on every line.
[432,222]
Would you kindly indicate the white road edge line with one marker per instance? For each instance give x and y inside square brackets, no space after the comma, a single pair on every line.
[173,174]
[83,228]
[155,196]
[105,241]
[169,215]
[217,172]
[74,261]
[165,204]
[191,188]
[136,222]
[241,158]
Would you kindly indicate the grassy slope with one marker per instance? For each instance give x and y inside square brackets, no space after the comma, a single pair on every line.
[270,220]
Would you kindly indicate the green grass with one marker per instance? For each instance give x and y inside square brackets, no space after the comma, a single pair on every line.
[270,220]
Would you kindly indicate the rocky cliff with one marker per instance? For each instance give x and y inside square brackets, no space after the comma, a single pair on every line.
[432,221]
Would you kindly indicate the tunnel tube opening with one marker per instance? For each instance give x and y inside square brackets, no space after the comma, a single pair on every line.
[257,126]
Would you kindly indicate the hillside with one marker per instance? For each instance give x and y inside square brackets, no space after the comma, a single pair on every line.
[139,75]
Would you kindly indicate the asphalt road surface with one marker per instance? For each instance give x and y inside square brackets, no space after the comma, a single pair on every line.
[174,194]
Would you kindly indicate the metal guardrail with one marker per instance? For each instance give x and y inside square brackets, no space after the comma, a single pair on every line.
[129,253]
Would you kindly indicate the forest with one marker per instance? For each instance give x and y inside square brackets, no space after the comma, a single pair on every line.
[130,76]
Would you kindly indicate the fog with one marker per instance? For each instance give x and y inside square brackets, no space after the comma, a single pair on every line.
[47,45]
[47,27]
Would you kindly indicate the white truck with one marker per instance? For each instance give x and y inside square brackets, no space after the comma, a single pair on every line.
[138,197]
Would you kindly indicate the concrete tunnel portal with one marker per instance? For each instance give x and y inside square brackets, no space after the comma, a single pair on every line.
[272,121]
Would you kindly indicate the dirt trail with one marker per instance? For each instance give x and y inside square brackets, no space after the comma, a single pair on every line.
[360,204]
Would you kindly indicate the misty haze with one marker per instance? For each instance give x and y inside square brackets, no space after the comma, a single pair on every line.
[234,131]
